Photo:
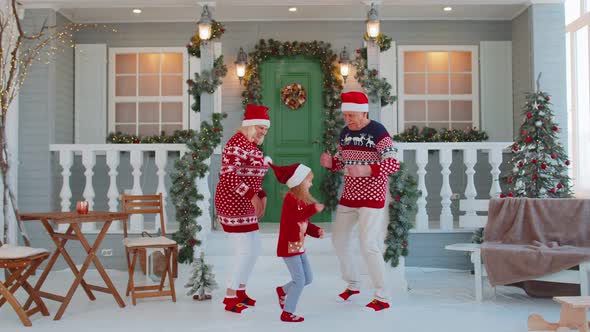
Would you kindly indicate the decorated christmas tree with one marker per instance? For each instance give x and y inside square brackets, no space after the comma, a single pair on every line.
[202,280]
[539,162]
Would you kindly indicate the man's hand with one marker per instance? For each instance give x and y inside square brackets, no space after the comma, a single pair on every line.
[259,206]
[358,170]
[326,160]
[322,233]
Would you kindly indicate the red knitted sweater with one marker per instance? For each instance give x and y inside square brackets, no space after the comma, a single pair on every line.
[294,226]
[240,178]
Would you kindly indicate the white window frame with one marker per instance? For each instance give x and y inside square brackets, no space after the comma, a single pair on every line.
[135,50]
[577,147]
[473,97]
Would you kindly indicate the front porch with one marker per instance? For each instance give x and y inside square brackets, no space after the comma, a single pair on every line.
[436,300]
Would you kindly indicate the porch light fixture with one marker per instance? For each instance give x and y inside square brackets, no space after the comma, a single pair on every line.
[241,62]
[344,63]
[373,22]
[205,24]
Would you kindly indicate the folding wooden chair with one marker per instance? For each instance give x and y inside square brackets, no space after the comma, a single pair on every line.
[21,263]
[147,204]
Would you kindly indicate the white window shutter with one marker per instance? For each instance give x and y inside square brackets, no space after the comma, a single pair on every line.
[496,89]
[388,70]
[90,100]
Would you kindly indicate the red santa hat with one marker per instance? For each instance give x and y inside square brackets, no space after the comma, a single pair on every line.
[354,101]
[291,175]
[256,115]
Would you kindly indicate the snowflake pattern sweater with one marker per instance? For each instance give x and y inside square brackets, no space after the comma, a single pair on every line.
[373,146]
[240,178]
[294,226]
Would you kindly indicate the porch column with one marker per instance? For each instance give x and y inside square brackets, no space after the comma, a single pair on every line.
[373,51]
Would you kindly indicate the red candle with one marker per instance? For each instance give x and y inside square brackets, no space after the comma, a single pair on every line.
[82,207]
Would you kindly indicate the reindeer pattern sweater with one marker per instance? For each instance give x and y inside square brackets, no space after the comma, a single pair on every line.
[373,146]
[240,178]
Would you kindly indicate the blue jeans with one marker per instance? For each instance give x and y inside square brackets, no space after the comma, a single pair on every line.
[301,274]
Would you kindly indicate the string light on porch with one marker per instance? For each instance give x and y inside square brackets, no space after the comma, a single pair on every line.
[344,63]
[241,62]
[205,24]
[373,22]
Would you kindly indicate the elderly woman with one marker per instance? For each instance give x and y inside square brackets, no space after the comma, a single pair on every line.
[240,201]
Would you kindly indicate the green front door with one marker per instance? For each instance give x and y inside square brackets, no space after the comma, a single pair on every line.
[295,135]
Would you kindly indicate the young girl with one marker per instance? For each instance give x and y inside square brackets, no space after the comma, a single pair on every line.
[298,207]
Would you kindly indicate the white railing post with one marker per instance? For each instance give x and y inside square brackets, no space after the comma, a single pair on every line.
[136,160]
[422,215]
[495,159]
[89,160]
[66,158]
[469,159]
[446,216]
[161,160]
[113,158]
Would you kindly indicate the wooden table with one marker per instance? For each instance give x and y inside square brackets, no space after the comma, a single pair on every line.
[73,219]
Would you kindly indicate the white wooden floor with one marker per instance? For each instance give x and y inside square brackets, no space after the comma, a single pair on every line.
[437,300]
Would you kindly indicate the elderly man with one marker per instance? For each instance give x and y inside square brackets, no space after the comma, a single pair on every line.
[366,153]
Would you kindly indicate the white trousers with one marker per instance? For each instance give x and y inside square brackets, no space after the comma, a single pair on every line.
[371,237]
[247,248]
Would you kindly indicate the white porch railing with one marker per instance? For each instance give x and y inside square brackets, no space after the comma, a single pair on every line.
[470,152]
[423,222]
[113,152]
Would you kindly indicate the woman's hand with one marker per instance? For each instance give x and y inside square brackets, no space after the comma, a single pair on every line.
[259,206]
[322,233]
[319,207]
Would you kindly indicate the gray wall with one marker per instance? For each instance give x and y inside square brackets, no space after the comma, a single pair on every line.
[46,116]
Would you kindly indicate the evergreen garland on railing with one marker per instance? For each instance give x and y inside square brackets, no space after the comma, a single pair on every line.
[332,86]
[179,137]
[427,134]
[402,209]
[370,81]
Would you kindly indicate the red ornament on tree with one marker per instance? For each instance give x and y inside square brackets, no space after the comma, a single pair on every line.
[515,148]
[523,133]
[535,176]
[553,190]
[528,139]
[529,115]
[559,185]
[520,164]
[553,156]
[509,180]
[567,162]
[555,128]
[510,195]
[502,196]
[534,161]
[543,166]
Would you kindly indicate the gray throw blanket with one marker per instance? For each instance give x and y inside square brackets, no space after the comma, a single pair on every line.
[526,238]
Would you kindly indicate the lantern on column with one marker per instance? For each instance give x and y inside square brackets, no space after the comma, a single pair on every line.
[205,24]
[373,22]
[344,63]
[241,62]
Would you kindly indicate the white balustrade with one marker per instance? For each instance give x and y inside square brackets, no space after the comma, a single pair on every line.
[445,156]
[138,162]
[113,152]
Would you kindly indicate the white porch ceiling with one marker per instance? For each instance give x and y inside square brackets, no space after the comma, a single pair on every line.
[87,11]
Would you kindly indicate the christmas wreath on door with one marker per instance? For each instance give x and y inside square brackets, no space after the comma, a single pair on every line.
[293,95]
